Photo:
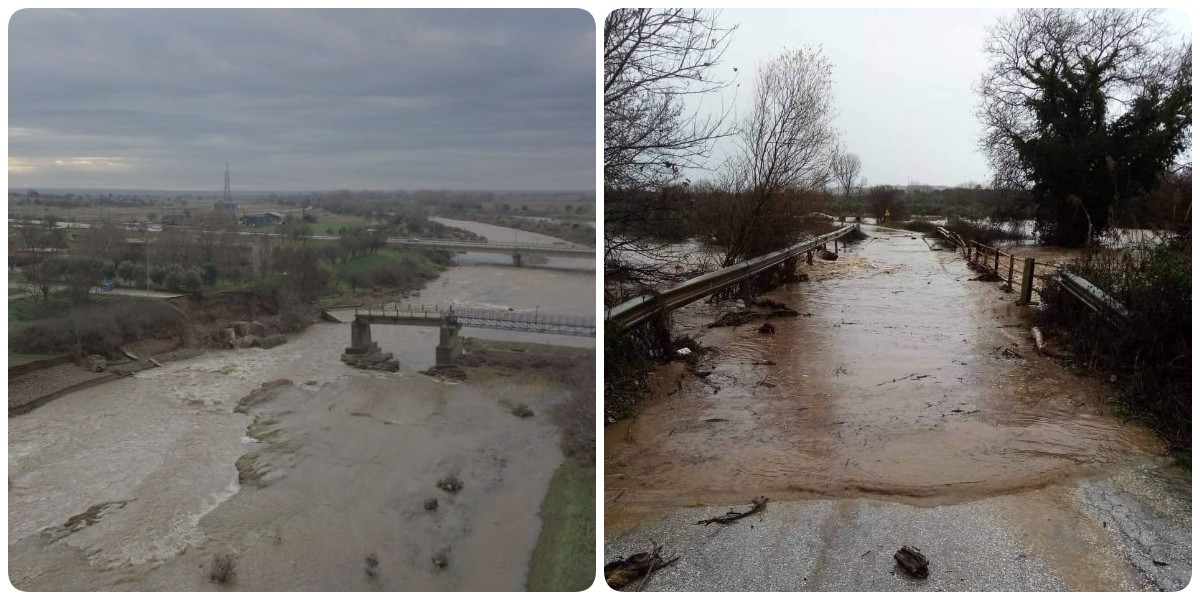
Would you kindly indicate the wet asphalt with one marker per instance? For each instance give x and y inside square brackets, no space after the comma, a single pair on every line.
[1141,524]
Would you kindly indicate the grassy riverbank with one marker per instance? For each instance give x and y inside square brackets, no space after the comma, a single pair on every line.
[565,556]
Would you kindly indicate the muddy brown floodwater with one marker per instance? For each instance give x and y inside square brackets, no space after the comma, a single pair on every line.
[134,484]
[895,383]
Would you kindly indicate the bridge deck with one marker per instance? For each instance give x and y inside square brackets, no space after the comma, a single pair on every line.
[422,315]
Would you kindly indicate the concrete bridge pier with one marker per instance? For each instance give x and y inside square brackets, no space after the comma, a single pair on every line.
[360,338]
[516,258]
[449,348]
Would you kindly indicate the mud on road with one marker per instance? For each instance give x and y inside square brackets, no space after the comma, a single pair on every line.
[901,382]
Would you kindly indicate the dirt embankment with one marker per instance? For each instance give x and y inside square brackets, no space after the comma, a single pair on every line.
[203,316]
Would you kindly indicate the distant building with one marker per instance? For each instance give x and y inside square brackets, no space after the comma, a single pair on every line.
[226,207]
[265,219]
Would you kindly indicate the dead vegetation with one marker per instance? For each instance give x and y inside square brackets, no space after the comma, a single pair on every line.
[522,410]
[913,562]
[637,567]
[222,569]
[431,504]
[756,505]
[372,564]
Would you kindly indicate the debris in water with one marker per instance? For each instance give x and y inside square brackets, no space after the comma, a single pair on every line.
[431,504]
[222,569]
[766,328]
[730,319]
[522,411]
[442,559]
[913,562]
[756,505]
[623,571]
[450,483]
[372,565]
[684,351]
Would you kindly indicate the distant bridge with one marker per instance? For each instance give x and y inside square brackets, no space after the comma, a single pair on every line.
[450,320]
[516,250]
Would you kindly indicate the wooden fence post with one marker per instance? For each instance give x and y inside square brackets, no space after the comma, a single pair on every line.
[1011,259]
[1027,282]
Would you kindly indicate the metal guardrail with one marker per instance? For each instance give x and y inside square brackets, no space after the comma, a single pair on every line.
[637,310]
[1093,297]
[1086,292]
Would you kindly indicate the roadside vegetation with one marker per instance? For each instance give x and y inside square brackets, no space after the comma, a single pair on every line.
[1149,356]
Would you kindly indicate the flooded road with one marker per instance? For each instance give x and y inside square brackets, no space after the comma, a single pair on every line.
[132,485]
[895,383]
[905,406]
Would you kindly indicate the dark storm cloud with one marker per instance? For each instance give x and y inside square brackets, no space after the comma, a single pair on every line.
[302,99]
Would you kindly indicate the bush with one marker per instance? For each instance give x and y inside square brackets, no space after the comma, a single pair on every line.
[1151,355]
[97,328]
[190,280]
[984,232]
[918,225]
[208,273]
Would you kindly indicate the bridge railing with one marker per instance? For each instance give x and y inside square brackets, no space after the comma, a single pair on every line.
[637,310]
[537,321]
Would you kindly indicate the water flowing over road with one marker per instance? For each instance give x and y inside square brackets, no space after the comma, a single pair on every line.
[906,404]
[132,485]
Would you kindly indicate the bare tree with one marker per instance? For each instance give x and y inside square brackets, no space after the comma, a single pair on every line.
[657,64]
[846,169]
[786,146]
[653,60]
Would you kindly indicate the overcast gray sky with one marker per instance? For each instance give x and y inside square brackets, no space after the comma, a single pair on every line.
[902,82]
[302,99]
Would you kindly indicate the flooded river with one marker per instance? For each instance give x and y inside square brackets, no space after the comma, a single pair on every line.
[132,485]
[902,380]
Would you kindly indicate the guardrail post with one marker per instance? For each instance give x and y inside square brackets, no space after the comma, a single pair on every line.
[1027,282]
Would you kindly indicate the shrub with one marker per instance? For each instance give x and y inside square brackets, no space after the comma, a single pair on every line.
[97,328]
[1151,354]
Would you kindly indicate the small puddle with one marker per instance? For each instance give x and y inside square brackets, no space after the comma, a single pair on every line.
[898,385]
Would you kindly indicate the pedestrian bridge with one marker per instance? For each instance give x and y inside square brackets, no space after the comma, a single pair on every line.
[450,320]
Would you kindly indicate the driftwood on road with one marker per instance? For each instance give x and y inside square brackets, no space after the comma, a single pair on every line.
[756,505]
[913,562]
[623,571]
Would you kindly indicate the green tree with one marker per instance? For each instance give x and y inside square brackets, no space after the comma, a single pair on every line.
[1086,109]
[46,273]
[190,280]
[208,273]
[83,272]
[129,271]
